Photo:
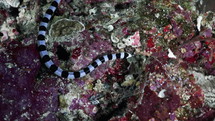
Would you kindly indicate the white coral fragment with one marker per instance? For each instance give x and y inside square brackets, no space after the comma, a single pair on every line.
[109,27]
[199,20]
[114,39]
[157,15]
[114,19]
[93,11]
[180,7]
[170,54]
[161,93]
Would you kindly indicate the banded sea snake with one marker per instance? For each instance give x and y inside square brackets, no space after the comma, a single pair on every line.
[50,64]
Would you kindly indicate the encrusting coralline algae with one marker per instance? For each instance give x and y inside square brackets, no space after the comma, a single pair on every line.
[170,76]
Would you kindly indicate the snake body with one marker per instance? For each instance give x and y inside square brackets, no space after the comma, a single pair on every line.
[50,64]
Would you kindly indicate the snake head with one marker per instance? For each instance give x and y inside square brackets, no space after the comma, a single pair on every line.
[129,55]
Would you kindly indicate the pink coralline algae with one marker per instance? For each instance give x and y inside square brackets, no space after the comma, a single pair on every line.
[22,98]
[17,77]
[200,48]
[169,78]
[150,43]
[135,39]
[152,105]
[83,104]
[76,53]
[81,57]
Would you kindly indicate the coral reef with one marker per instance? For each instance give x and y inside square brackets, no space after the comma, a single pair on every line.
[12,3]
[171,76]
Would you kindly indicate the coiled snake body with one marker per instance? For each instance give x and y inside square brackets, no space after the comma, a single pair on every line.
[50,64]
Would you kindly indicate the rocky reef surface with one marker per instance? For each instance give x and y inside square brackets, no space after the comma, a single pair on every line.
[171,76]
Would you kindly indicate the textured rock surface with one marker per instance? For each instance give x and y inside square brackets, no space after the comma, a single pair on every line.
[171,76]
[13,3]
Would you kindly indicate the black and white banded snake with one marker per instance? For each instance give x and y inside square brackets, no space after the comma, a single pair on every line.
[50,64]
